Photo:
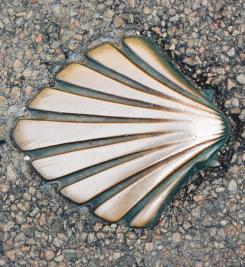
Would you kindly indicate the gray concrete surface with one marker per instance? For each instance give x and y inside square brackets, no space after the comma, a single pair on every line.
[204,224]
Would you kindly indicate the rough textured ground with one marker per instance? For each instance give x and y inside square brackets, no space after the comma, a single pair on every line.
[204,225]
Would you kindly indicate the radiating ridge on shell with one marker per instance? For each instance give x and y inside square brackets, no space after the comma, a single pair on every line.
[123,131]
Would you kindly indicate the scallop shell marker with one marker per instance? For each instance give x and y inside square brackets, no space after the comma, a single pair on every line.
[123,131]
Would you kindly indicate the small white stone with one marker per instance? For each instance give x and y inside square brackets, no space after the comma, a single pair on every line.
[231,52]
[27,158]
[176,237]
[241,78]
[232,187]
[8,226]
[149,246]
[219,189]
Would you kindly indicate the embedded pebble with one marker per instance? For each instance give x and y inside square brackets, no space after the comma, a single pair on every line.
[232,187]
[241,79]
[118,22]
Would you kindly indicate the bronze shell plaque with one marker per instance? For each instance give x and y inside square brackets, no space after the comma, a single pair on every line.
[122,131]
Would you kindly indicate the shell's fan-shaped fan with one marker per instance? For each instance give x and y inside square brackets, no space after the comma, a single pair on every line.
[122,131]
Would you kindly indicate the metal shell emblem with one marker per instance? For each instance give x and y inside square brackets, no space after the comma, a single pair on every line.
[122,131]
